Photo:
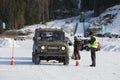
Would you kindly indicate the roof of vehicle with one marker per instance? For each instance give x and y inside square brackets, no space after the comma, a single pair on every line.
[49,29]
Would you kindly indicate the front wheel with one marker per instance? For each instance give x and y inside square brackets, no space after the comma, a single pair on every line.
[37,59]
[66,60]
[33,57]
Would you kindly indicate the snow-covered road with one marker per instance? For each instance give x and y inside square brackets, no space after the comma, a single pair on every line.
[108,66]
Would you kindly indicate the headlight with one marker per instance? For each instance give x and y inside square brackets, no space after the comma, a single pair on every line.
[63,48]
[42,47]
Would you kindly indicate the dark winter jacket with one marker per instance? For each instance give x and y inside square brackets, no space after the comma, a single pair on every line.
[76,45]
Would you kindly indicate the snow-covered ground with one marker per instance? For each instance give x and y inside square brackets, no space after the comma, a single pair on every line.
[108,64]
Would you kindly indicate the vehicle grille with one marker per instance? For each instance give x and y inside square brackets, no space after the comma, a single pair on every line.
[52,48]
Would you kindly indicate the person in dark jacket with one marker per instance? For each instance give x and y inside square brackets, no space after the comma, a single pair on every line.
[76,48]
[93,45]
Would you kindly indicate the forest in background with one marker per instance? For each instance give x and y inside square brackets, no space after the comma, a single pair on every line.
[18,13]
[98,5]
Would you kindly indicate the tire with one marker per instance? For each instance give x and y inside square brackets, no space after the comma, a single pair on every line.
[33,57]
[66,60]
[37,59]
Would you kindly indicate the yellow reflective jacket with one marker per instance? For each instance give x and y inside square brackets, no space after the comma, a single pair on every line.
[94,44]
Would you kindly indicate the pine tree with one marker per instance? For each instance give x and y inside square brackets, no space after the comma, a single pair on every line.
[29,12]
[1,1]
[11,14]
[19,10]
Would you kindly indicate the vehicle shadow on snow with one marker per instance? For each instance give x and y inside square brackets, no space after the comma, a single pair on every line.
[51,63]
[26,61]
[17,61]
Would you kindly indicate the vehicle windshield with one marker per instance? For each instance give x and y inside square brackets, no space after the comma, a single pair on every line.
[51,36]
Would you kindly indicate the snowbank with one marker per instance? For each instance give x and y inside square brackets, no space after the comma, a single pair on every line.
[7,42]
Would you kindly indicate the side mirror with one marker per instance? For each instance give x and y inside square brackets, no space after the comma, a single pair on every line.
[70,44]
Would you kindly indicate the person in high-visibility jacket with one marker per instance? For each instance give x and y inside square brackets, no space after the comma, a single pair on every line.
[93,45]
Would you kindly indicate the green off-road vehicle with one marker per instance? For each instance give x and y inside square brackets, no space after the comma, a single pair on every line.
[50,44]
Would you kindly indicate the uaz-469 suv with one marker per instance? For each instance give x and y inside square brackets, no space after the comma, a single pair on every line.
[50,44]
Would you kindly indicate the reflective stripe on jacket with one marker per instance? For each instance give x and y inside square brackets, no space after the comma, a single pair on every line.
[95,43]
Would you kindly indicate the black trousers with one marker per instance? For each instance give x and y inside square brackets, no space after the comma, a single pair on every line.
[93,56]
[77,54]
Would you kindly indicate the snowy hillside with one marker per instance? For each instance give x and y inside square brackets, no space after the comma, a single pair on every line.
[113,16]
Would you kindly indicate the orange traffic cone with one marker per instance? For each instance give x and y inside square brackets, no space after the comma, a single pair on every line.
[12,61]
[77,62]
